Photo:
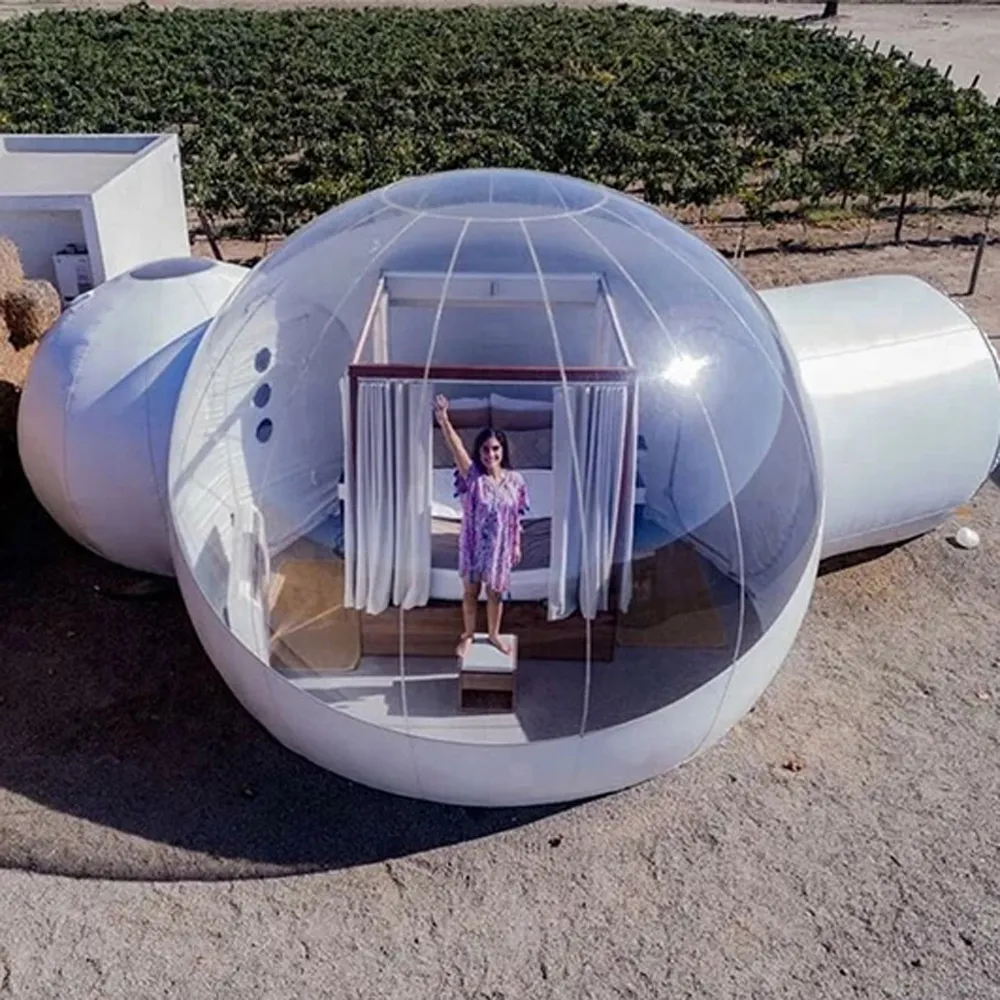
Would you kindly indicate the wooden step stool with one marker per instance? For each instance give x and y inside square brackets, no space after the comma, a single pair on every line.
[486,678]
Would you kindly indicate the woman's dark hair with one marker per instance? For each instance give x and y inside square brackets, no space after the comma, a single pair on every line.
[481,438]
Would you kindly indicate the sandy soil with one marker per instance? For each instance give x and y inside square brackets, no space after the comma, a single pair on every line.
[964,36]
[141,810]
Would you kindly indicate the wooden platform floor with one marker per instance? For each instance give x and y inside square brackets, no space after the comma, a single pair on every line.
[316,645]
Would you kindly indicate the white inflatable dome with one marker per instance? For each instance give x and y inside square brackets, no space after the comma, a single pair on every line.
[97,407]
[647,399]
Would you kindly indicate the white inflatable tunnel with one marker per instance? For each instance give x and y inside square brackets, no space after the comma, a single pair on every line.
[98,404]
[906,391]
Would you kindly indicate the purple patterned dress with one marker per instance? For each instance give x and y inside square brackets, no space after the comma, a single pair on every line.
[491,513]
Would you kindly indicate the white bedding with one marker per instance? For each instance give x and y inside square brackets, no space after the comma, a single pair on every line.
[525,585]
[445,504]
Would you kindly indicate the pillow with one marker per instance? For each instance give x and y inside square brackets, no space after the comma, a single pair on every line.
[510,414]
[531,449]
[445,511]
[441,451]
[444,504]
[469,412]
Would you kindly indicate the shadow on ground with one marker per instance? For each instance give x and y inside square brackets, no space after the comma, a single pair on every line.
[848,560]
[123,755]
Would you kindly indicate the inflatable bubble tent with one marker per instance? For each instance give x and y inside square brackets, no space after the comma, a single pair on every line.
[648,401]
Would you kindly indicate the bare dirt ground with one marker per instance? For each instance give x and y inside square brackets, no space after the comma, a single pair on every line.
[155,842]
[145,818]
[963,36]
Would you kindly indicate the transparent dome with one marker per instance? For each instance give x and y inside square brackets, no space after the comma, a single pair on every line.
[644,399]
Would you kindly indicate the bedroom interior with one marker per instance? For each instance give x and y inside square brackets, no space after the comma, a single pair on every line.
[662,426]
[364,609]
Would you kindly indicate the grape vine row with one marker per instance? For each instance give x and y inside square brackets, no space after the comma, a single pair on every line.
[282,115]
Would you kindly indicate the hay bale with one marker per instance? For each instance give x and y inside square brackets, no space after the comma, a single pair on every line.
[11,271]
[30,310]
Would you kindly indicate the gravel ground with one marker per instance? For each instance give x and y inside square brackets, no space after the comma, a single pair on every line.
[842,842]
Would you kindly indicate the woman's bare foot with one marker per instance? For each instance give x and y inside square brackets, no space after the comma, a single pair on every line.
[464,642]
[500,644]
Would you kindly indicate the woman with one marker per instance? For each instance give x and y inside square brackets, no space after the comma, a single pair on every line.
[494,500]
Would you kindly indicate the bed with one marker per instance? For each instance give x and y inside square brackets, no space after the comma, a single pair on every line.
[529,579]
[496,359]
[527,422]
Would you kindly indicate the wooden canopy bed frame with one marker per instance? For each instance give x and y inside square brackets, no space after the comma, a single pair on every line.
[431,628]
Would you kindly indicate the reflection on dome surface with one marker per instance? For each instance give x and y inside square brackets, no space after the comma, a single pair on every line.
[648,405]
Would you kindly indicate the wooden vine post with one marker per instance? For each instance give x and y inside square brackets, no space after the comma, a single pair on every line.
[209,230]
[899,217]
[977,263]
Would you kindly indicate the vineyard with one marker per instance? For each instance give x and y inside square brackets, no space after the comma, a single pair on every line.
[283,114]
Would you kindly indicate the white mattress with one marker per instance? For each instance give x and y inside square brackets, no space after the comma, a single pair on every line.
[525,585]
[528,583]
[538,482]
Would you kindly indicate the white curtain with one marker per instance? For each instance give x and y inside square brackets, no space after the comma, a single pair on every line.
[608,349]
[593,497]
[387,507]
[380,329]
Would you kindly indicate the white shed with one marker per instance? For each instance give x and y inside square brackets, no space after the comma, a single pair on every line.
[117,199]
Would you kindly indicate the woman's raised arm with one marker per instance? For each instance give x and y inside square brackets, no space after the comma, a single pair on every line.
[455,444]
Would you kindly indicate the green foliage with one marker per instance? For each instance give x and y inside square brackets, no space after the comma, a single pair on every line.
[283,114]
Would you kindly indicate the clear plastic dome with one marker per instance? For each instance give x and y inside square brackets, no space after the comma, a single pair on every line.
[646,401]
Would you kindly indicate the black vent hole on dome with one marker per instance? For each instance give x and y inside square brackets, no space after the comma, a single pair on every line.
[264,431]
[262,396]
[262,359]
